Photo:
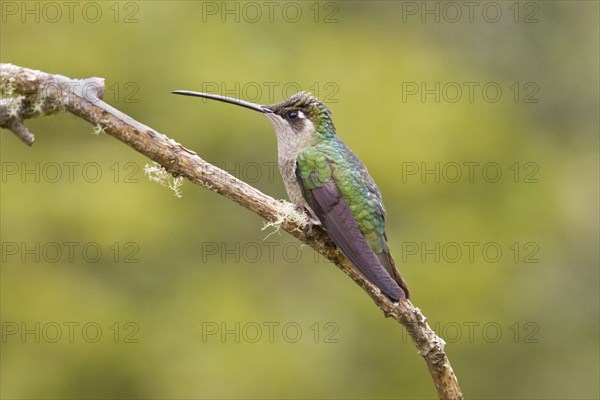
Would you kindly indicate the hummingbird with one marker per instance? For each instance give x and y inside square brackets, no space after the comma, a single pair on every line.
[323,177]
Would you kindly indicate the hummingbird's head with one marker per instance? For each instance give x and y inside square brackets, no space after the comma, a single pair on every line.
[301,116]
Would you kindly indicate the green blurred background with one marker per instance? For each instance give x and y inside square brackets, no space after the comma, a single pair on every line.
[189,299]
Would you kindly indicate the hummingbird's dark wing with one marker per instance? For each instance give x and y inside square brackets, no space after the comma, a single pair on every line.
[327,201]
[337,219]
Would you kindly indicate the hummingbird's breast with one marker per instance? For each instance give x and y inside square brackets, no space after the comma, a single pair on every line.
[290,145]
[287,167]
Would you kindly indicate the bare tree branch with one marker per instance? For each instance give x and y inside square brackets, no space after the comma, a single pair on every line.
[29,93]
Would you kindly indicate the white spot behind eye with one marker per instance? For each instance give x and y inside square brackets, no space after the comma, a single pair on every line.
[301,114]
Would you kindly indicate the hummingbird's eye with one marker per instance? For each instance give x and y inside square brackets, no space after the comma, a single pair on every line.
[292,115]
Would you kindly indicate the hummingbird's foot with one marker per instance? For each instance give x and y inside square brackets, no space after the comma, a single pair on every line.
[312,222]
[311,218]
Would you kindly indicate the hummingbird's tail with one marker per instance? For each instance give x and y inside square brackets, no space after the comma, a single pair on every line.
[388,263]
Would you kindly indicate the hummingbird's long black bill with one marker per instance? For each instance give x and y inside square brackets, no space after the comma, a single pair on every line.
[225,99]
